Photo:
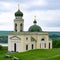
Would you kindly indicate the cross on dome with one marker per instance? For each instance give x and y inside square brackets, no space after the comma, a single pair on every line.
[18,6]
[34,17]
[35,20]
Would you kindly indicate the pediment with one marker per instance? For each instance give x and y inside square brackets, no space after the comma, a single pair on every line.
[15,38]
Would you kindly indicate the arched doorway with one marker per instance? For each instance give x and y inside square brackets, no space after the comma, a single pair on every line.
[26,47]
[49,45]
[15,47]
[32,46]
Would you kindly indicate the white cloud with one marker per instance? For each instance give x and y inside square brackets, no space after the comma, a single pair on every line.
[44,17]
[37,3]
[33,3]
[5,5]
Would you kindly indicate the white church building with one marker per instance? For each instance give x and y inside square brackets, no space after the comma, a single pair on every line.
[20,40]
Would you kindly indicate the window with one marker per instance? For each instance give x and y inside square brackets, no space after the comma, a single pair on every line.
[42,39]
[32,46]
[26,47]
[16,27]
[26,38]
[21,27]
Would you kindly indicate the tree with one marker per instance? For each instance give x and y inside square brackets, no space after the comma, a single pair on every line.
[0,47]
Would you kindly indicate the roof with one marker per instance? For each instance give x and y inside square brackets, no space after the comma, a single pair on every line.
[19,13]
[35,28]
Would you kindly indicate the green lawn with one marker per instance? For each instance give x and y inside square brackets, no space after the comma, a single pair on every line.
[39,54]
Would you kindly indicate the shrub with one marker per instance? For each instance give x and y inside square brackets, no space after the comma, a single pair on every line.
[56,44]
[1,47]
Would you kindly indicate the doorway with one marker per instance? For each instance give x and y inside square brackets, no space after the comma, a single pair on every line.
[14,47]
[49,45]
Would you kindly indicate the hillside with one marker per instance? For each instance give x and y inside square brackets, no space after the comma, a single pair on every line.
[39,54]
[4,33]
[52,54]
[4,36]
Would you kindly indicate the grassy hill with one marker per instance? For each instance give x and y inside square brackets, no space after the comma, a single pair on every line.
[39,54]
[52,54]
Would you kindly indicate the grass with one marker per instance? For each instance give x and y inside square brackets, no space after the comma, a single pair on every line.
[51,54]
[3,51]
[39,54]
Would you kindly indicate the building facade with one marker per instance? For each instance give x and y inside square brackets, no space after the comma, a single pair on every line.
[20,40]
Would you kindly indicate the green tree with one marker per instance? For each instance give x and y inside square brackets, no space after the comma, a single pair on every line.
[1,47]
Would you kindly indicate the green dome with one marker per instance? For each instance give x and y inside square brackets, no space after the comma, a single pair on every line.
[19,13]
[35,28]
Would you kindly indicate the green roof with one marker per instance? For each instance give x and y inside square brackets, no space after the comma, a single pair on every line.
[19,13]
[35,28]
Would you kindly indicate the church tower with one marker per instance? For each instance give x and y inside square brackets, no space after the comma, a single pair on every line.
[18,21]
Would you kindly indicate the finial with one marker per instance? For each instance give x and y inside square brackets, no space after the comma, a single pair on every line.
[35,20]
[18,6]
[34,17]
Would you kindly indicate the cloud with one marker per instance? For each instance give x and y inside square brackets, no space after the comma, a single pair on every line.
[43,5]
[47,12]
[53,4]
[7,7]
[48,18]
[34,4]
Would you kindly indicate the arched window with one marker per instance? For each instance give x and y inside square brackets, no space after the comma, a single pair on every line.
[21,27]
[42,39]
[16,27]
[32,46]
[26,47]
[26,38]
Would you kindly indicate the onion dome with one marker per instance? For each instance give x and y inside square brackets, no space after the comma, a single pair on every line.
[35,28]
[18,13]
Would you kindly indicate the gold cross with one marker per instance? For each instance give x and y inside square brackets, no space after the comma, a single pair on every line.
[18,6]
[34,17]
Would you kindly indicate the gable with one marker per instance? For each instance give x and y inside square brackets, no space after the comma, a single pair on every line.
[15,38]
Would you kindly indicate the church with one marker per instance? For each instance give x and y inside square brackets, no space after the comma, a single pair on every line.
[20,40]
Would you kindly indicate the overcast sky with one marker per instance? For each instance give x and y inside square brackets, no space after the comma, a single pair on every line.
[47,13]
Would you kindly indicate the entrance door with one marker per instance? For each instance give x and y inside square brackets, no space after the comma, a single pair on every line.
[15,47]
[49,45]
[26,47]
[32,46]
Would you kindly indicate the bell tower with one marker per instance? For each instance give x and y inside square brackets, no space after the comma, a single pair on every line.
[18,21]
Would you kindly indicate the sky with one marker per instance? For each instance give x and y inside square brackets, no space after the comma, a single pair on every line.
[47,14]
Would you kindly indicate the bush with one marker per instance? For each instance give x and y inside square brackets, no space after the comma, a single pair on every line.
[56,44]
[1,47]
